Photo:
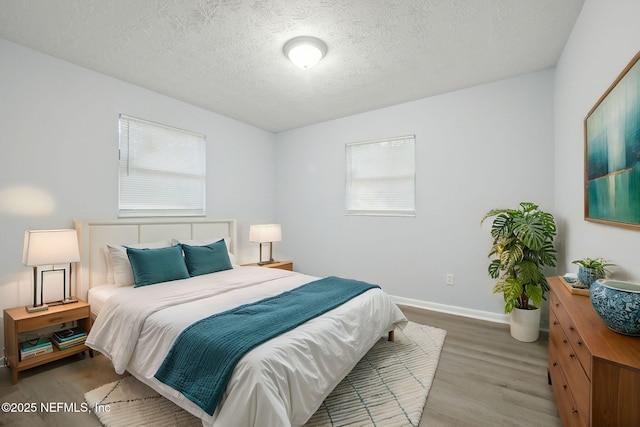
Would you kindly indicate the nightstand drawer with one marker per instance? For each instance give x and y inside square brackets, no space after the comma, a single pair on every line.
[48,319]
[17,320]
[282,265]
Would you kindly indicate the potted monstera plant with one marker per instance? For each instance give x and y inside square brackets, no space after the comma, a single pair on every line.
[522,246]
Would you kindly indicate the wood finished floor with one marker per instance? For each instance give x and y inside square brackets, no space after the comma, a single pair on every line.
[485,378]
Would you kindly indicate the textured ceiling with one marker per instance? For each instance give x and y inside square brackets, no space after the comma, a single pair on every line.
[226,55]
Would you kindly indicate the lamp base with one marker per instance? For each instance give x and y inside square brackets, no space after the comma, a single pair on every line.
[271,261]
[67,300]
[34,308]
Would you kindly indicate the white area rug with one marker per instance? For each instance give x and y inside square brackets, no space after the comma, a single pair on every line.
[388,387]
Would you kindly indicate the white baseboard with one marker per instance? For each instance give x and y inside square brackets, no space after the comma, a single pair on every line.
[452,309]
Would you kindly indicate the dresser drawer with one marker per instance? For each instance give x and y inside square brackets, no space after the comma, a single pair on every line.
[609,385]
[570,413]
[50,319]
[574,376]
[580,349]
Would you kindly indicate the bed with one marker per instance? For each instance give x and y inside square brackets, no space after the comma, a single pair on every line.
[279,382]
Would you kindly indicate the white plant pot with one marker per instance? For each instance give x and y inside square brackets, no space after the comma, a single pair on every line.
[525,324]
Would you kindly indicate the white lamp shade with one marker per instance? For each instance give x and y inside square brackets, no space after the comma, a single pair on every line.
[264,233]
[42,247]
[305,52]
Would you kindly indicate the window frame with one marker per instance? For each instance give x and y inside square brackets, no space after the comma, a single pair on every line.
[384,179]
[178,175]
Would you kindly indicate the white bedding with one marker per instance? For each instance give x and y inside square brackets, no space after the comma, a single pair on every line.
[99,295]
[281,382]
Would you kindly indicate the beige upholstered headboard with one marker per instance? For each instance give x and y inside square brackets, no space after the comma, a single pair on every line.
[94,235]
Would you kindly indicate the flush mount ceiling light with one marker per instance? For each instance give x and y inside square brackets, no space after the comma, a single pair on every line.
[305,52]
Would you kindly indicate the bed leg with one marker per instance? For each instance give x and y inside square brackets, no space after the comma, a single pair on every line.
[391,336]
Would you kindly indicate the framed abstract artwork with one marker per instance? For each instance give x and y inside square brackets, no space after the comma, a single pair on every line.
[612,153]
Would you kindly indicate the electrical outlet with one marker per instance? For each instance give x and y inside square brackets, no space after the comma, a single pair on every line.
[449,279]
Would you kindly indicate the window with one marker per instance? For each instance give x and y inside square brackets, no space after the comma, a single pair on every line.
[381,177]
[162,170]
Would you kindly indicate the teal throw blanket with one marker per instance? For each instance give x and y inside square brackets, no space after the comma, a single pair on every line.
[204,355]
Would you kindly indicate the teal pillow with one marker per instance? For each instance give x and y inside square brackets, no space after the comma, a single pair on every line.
[152,266]
[207,259]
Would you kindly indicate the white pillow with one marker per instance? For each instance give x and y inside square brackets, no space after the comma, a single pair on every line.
[121,273]
[232,257]
[107,260]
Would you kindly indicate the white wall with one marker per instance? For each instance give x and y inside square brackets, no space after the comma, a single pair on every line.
[59,161]
[479,148]
[605,38]
[486,147]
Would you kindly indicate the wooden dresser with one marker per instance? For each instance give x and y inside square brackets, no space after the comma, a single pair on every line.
[594,372]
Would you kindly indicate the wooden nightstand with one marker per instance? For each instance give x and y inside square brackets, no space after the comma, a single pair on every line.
[18,320]
[282,265]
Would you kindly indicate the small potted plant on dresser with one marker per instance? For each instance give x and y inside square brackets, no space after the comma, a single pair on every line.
[591,269]
[522,246]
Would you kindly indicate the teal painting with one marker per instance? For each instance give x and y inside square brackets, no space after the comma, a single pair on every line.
[612,153]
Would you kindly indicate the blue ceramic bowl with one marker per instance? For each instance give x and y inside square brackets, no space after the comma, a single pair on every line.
[618,303]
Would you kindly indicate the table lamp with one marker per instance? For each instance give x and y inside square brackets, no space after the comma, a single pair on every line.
[49,247]
[265,233]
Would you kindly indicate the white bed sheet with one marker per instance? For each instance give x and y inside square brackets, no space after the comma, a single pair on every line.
[281,382]
[99,295]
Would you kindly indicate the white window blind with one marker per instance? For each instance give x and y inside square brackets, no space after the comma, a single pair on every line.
[162,170]
[381,177]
